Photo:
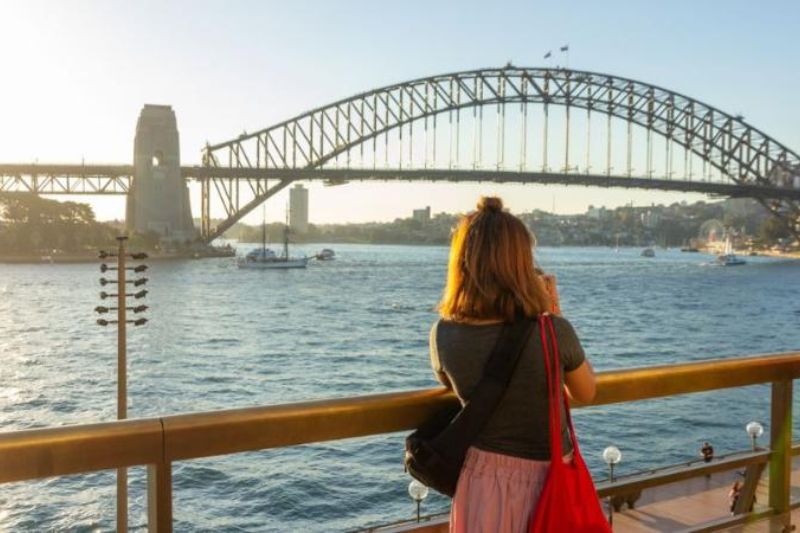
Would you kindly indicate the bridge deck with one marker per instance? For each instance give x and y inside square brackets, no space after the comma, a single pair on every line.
[115,179]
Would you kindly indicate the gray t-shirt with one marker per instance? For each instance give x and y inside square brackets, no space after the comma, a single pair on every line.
[519,424]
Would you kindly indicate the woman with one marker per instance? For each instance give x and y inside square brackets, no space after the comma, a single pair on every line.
[491,277]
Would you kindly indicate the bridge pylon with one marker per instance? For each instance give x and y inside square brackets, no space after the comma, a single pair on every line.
[159,197]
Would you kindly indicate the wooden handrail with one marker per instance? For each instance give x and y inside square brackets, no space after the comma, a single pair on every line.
[38,453]
[221,432]
[670,380]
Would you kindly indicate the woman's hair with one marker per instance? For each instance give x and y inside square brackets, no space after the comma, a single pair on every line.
[491,274]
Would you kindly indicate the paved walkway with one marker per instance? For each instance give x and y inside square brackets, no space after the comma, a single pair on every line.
[681,506]
[687,504]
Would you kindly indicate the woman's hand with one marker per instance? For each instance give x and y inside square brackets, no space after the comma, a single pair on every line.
[549,281]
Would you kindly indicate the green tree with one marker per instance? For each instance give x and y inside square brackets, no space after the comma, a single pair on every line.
[773,229]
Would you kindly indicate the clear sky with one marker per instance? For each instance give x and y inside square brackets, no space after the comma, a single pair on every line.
[75,74]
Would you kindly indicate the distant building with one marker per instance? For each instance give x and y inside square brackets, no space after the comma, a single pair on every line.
[423,215]
[596,213]
[650,219]
[298,209]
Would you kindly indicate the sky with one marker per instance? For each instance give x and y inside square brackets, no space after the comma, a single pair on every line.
[74,75]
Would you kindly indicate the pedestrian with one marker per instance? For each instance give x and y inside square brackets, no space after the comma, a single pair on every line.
[491,281]
[707,451]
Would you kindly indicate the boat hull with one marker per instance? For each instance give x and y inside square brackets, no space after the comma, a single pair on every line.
[730,260]
[277,264]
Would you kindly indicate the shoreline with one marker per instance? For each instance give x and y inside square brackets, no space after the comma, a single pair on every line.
[31,259]
[69,259]
[779,255]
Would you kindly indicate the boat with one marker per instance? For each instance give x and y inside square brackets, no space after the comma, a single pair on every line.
[326,254]
[265,259]
[728,258]
[690,249]
[648,252]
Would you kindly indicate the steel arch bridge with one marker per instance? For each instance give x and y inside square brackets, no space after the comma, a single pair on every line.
[313,144]
[414,131]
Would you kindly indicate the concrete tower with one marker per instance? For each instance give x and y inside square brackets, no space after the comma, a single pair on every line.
[298,209]
[159,198]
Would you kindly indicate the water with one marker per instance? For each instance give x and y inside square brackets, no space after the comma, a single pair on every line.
[221,338]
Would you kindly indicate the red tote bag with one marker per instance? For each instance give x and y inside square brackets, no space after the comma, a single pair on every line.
[568,501]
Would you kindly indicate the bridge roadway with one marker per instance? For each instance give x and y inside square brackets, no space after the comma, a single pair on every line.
[116,179]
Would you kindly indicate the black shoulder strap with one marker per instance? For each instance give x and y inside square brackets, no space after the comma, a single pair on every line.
[499,368]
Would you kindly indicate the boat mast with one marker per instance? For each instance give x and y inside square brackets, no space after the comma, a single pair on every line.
[263,232]
[286,237]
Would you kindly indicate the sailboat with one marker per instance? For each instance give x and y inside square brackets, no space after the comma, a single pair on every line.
[728,258]
[265,259]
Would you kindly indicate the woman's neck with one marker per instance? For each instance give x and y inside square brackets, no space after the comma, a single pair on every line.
[479,321]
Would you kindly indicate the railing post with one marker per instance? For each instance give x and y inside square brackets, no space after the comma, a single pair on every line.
[780,463]
[159,498]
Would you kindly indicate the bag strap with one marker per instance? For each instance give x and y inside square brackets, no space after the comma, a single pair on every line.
[556,393]
[497,372]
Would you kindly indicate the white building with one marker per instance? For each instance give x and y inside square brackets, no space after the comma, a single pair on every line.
[298,209]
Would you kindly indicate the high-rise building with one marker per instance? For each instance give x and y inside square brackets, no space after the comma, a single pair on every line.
[422,215]
[298,208]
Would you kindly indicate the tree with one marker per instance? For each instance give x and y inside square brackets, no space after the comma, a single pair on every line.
[773,229]
[32,224]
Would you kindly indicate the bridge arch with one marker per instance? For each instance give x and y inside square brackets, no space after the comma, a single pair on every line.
[742,153]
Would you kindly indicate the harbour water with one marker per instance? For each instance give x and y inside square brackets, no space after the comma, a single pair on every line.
[220,337]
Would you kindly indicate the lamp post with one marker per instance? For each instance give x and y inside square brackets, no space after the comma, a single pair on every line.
[122,340]
[418,492]
[611,456]
[754,430]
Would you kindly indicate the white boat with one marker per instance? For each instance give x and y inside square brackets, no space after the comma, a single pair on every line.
[265,259]
[275,263]
[728,258]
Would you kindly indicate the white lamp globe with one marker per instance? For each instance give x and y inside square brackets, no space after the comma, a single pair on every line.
[417,490]
[754,429]
[612,455]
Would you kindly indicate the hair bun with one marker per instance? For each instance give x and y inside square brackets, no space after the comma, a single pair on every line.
[491,204]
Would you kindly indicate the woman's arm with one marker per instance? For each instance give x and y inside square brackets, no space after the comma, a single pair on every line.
[442,378]
[581,383]
[436,365]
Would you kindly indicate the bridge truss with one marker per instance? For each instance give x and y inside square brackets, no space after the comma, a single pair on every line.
[66,179]
[376,130]
[478,126]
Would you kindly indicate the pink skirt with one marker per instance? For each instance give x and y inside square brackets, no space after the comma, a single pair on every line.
[496,493]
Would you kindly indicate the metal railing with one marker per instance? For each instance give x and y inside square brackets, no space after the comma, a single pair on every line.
[158,442]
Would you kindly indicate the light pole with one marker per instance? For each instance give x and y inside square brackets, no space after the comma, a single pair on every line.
[611,456]
[122,341]
[418,492]
[754,430]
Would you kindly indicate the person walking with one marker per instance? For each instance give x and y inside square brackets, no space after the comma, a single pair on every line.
[491,281]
